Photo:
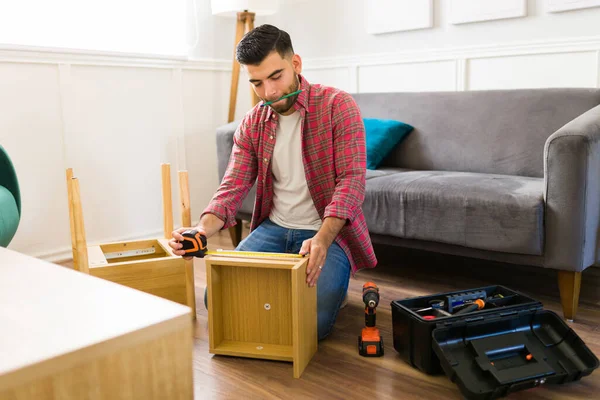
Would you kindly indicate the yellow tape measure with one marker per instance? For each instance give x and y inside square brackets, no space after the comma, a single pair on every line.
[194,244]
[234,253]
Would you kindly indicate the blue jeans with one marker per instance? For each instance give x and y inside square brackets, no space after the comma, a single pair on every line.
[335,275]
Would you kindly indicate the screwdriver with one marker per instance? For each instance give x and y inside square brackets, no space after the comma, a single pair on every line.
[454,301]
[435,304]
[476,305]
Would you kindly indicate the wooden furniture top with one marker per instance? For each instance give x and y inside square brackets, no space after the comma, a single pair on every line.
[50,313]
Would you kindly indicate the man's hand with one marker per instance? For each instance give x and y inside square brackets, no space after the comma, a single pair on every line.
[208,226]
[177,237]
[318,255]
[317,247]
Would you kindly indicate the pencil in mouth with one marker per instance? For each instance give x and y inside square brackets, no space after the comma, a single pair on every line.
[281,98]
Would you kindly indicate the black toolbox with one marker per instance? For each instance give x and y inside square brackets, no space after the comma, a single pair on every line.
[509,345]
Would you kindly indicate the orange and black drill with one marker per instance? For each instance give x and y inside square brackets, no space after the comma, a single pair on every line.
[370,342]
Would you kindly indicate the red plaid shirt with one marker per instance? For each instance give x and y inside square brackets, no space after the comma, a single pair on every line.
[334,155]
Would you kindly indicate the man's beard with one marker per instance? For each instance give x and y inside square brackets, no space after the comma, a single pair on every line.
[287,104]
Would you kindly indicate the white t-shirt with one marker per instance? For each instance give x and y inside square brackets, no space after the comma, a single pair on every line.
[293,206]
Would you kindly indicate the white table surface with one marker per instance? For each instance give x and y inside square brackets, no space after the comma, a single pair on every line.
[47,310]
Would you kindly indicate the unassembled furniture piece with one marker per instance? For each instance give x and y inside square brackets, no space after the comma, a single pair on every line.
[66,335]
[503,175]
[148,265]
[262,307]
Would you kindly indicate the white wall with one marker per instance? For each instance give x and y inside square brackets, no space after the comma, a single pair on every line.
[336,28]
[115,118]
[216,34]
[541,49]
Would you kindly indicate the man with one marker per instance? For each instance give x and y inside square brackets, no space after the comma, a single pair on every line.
[306,154]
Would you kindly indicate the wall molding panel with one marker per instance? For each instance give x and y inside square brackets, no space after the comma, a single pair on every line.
[470,11]
[556,6]
[464,58]
[29,54]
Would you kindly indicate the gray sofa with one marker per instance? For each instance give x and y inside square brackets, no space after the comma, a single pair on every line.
[504,175]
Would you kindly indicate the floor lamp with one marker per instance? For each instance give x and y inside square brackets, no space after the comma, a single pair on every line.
[244,11]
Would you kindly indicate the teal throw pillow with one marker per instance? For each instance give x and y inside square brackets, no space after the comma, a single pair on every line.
[382,136]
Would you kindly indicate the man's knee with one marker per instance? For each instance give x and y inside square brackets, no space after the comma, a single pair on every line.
[328,307]
[331,290]
[323,330]
[325,322]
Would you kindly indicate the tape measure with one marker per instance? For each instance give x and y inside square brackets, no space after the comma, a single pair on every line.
[234,253]
[194,245]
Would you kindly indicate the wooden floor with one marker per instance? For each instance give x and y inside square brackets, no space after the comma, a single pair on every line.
[338,372]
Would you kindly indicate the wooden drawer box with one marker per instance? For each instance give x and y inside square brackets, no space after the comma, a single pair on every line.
[262,308]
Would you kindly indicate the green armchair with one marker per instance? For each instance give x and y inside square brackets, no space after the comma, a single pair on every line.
[10,199]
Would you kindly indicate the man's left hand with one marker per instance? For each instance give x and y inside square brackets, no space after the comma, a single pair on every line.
[316,262]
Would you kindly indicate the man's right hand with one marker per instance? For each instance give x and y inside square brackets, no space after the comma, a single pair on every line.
[176,237]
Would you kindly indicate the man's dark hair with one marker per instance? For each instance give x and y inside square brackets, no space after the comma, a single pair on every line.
[257,44]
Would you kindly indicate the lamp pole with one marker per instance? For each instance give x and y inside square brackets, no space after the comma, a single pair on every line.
[245,23]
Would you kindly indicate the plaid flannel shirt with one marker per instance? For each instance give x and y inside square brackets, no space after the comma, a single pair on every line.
[334,155]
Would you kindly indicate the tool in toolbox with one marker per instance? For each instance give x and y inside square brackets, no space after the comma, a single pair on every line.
[476,305]
[195,245]
[433,305]
[370,342]
[458,304]
[456,300]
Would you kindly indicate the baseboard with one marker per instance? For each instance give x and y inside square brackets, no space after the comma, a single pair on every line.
[65,253]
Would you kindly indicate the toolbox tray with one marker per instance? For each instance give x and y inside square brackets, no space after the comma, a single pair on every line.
[503,333]
[498,355]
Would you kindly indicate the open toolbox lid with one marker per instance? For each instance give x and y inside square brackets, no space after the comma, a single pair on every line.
[491,355]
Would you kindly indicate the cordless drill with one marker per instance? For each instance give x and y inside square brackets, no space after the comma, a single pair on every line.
[370,343]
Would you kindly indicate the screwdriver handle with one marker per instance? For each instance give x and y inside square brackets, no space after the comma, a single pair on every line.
[457,300]
[477,305]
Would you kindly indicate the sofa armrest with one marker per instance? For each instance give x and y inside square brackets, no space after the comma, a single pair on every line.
[572,193]
[224,146]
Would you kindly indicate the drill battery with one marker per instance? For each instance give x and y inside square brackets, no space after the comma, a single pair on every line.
[370,343]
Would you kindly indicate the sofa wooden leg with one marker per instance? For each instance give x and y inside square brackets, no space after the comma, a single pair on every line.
[569,283]
[235,232]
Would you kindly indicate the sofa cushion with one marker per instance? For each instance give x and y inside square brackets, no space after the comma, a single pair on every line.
[482,131]
[377,173]
[9,216]
[491,212]
[382,136]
